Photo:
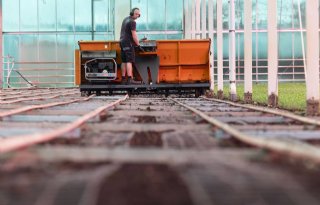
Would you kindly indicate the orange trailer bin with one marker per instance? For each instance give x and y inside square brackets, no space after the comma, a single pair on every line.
[165,65]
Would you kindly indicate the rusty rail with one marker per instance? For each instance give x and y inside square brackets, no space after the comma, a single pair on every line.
[286,146]
[21,141]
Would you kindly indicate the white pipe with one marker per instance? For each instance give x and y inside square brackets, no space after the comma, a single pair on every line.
[220,45]
[248,46]
[232,51]
[211,35]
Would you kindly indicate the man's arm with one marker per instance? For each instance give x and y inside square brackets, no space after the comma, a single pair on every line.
[135,37]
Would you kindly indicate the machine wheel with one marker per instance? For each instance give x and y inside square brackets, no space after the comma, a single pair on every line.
[199,92]
[85,93]
[166,93]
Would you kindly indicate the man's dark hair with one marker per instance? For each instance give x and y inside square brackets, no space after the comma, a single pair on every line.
[132,11]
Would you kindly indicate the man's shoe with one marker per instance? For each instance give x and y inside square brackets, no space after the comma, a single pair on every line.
[133,82]
[123,81]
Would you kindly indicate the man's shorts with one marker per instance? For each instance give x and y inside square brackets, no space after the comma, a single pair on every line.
[127,53]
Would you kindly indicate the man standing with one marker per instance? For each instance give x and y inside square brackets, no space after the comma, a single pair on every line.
[128,39]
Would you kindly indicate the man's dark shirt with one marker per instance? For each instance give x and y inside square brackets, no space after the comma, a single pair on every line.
[128,25]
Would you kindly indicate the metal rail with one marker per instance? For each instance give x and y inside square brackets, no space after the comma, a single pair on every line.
[271,111]
[286,146]
[36,94]
[21,141]
[33,107]
[38,98]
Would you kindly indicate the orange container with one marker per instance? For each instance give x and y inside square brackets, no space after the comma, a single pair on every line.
[180,60]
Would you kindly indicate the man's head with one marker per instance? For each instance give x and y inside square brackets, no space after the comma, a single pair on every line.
[135,13]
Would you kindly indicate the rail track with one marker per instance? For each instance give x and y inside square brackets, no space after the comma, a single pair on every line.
[142,150]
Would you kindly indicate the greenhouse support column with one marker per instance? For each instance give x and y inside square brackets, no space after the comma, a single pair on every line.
[187,19]
[198,20]
[248,51]
[232,52]
[193,19]
[204,19]
[211,34]
[220,48]
[272,54]
[312,58]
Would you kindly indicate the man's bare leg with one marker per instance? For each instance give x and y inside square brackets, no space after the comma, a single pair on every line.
[129,69]
[123,73]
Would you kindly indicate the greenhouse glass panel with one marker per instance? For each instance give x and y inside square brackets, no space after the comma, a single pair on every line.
[262,45]
[10,9]
[156,36]
[174,14]
[11,45]
[240,45]
[285,14]
[47,16]
[29,15]
[225,15]
[65,15]
[142,22]
[82,37]
[260,14]
[101,15]
[285,45]
[65,46]
[175,36]
[83,15]
[28,51]
[296,21]
[239,14]
[47,48]
[226,46]
[103,36]
[156,15]
[298,45]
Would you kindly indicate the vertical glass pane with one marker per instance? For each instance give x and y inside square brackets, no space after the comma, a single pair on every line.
[101,15]
[225,46]
[296,21]
[175,36]
[156,15]
[156,36]
[284,14]
[142,22]
[28,48]
[103,37]
[239,14]
[259,13]
[29,15]
[47,15]
[10,9]
[83,15]
[285,45]
[111,15]
[174,14]
[239,46]
[65,48]
[11,45]
[298,54]
[225,15]
[65,15]
[47,48]
[262,45]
